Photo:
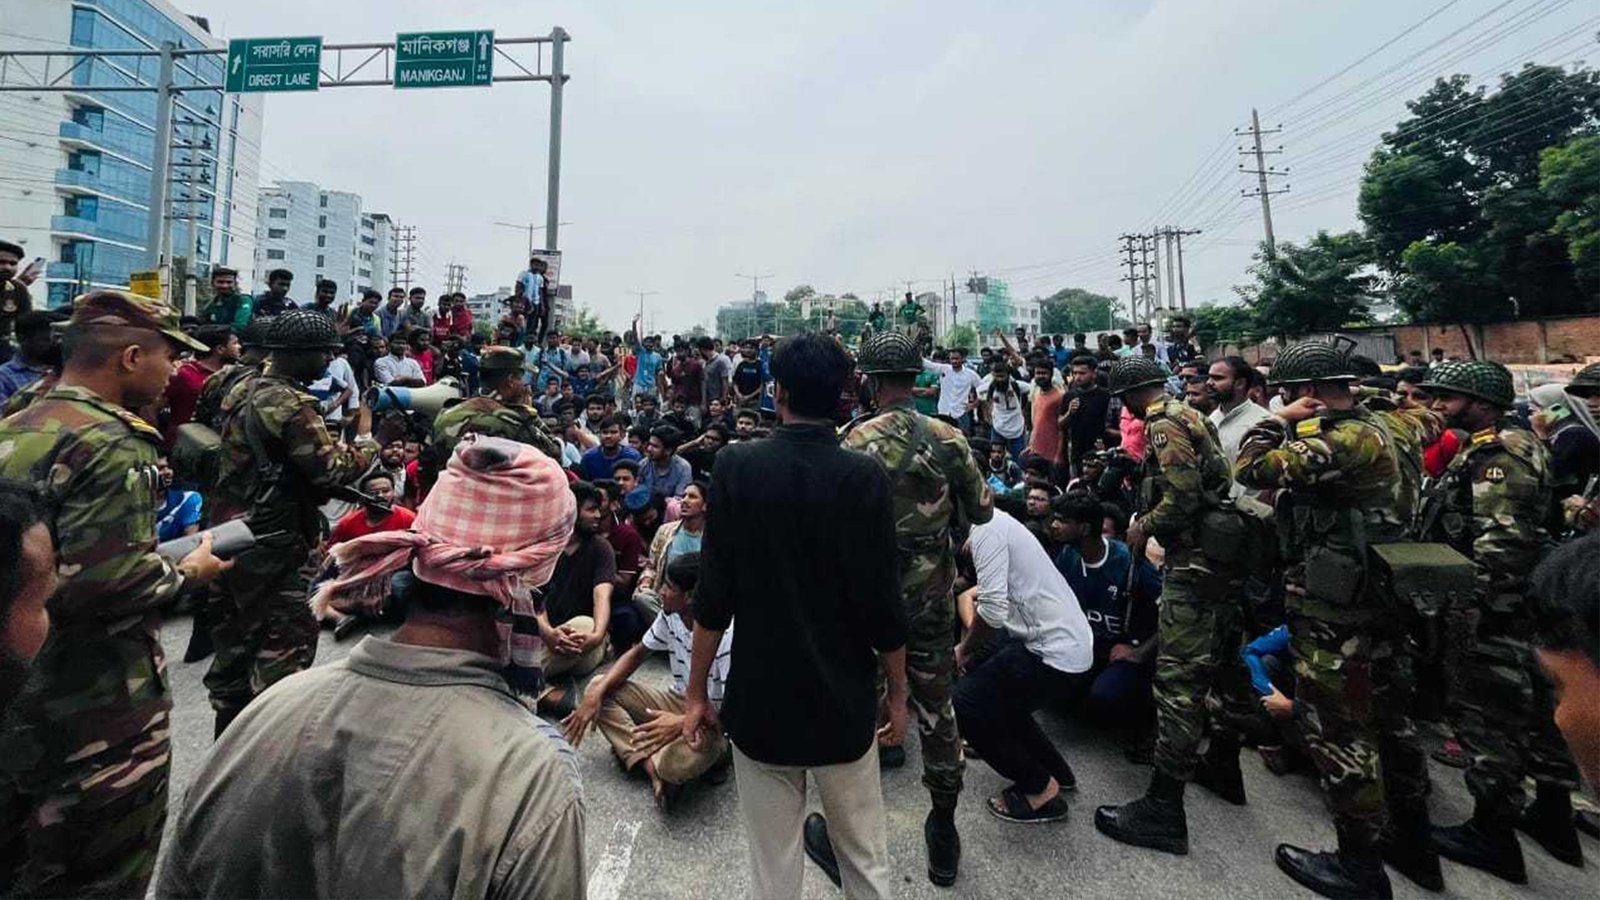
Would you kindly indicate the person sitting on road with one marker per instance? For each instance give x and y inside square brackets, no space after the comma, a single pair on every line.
[643,723]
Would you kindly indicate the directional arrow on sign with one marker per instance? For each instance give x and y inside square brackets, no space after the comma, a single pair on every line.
[483,46]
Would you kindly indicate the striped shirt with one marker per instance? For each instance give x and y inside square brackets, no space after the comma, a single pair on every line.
[670,633]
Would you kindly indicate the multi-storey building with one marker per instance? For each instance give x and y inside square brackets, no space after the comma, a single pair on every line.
[77,164]
[318,233]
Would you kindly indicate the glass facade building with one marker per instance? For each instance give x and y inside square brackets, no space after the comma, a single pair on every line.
[86,194]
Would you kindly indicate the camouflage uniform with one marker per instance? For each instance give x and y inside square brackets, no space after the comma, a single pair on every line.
[278,462]
[1345,483]
[208,407]
[27,394]
[935,480]
[490,416]
[1197,661]
[1496,491]
[84,752]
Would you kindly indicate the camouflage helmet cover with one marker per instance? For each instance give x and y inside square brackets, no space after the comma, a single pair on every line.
[1132,372]
[1586,382]
[1310,361]
[1482,379]
[302,329]
[254,333]
[890,353]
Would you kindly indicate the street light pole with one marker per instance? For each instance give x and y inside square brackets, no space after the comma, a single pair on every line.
[755,293]
[558,80]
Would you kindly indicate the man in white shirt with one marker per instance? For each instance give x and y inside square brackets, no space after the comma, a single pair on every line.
[1003,398]
[398,369]
[1229,380]
[957,381]
[1020,592]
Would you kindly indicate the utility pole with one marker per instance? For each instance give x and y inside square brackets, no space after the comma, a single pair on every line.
[558,83]
[403,246]
[1261,171]
[1146,242]
[755,296]
[156,228]
[1172,282]
[1132,279]
[642,295]
[455,279]
[1183,295]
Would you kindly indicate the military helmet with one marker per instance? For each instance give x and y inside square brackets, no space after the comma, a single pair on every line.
[1132,372]
[501,359]
[890,353]
[1478,378]
[302,329]
[254,333]
[1310,361]
[1586,383]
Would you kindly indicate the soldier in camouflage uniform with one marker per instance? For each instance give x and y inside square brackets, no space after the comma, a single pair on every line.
[1494,495]
[278,465]
[1197,664]
[1343,481]
[208,409]
[501,411]
[84,754]
[936,483]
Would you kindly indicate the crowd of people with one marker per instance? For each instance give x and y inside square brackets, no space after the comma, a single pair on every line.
[1199,555]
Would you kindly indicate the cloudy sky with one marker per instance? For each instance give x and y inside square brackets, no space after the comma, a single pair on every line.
[855,146]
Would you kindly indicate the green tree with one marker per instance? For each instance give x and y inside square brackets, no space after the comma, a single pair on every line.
[1215,324]
[583,324]
[961,336]
[1075,310]
[799,292]
[1570,176]
[1455,205]
[1322,285]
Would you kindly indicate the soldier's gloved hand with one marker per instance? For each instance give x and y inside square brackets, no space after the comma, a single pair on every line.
[201,566]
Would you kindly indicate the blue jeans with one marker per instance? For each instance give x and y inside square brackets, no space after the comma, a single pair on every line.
[1120,692]
[1014,446]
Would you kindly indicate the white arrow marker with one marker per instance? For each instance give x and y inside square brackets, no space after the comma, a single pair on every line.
[236,61]
[483,46]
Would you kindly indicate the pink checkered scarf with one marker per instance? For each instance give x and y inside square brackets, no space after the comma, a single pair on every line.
[495,524]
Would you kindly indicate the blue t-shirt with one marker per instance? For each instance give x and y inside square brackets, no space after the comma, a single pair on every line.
[683,542]
[1102,591]
[672,483]
[179,510]
[596,465]
[644,378]
[1273,643]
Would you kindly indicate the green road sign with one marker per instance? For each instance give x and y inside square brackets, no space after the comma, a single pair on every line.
[443,59]
[273,64]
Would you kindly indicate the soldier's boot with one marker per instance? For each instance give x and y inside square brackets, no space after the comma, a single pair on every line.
[1218,770]
[1156,820]
[818,846]
[944,842]
[1408,845]
[1549,821]
[1352,872]
[1484,842]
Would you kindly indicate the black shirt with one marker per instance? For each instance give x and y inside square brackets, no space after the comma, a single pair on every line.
[747,376]
[799,549]
[1088,424]
[570,591]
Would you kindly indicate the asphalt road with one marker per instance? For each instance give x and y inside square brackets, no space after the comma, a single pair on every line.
[698,850]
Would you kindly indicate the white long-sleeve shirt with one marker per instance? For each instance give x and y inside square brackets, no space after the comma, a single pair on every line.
[1022,591]
[955,386]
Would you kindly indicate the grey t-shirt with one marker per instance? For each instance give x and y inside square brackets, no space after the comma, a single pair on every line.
[718,370]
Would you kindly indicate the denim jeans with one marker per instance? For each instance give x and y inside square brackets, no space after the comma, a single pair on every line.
[994,712]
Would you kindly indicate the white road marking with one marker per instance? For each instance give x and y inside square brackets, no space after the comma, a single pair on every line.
[611,872]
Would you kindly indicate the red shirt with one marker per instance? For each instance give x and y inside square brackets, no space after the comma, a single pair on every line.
[355,525]
[183,392]
[425,360]
[625,540]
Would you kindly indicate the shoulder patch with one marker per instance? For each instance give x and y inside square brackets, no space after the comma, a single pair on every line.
[1299,447]
[1158,439]
[1485,436]
[1494,474]
[1308,427]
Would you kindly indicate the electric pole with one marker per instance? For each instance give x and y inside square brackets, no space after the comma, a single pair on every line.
[1171,301]
[402,253]
[1146,242]
[455,279]
[1183,295]
[755,296]
[1261,171]
[641,295]
[1128,260]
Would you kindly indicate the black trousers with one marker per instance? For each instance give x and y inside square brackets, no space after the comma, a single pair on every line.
[994,713]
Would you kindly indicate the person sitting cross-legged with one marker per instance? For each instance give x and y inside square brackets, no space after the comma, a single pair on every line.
[643,723]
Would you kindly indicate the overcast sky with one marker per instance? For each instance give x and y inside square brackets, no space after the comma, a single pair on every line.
[854,146]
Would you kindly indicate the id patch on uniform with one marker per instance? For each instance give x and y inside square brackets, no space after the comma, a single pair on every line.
[1494,475]
[1308,427]
[1159,439]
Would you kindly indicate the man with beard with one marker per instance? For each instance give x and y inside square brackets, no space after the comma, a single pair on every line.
[228,306]
[27,579]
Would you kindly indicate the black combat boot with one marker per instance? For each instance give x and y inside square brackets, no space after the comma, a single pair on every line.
[820,848]
[1218,771]
[1550,822]
[944,842]
[1156,820]
[1408,845]
[1353,872]
[1484,842]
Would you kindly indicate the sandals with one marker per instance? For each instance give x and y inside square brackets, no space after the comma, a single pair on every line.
[1012,806]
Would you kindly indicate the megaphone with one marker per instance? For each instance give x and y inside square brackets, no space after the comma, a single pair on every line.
[427,400]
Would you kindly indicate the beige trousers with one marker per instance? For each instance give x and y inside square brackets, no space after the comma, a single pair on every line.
[772,800]
[574,665]
[677,762]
